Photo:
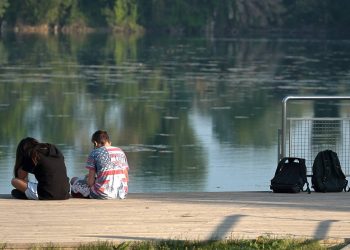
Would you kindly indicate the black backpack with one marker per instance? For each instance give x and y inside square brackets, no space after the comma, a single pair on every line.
[290,176]
[327,175]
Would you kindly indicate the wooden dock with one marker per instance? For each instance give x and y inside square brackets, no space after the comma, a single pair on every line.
[188,216]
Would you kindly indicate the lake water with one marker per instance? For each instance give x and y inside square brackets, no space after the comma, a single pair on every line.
[192,114]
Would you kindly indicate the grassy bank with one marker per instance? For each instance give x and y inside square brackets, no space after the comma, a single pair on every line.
[259,243]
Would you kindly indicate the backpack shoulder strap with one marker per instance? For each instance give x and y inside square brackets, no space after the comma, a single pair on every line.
[318,170]
[338,170]
[302,172]
[336,163]
[319,162]
[281,163]
[326,158]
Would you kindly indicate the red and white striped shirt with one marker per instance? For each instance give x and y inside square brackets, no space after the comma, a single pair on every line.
[111,166]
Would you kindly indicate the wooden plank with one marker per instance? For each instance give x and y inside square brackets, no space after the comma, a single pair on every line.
[188,216]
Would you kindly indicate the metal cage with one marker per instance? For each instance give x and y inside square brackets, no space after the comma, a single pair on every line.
[304,137]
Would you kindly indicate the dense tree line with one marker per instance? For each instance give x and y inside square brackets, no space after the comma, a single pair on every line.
[175,16]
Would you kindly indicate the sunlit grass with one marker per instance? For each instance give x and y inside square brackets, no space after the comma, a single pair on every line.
[267,243]
[259,243]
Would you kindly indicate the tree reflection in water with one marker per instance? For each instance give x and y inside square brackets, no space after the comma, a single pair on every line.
[193,114]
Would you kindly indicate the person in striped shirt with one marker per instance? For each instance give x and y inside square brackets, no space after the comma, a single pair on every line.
[108,171]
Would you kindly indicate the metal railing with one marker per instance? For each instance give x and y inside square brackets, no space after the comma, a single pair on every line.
[304,137]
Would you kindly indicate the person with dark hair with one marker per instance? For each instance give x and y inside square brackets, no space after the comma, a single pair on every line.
[108,171]
[46,163]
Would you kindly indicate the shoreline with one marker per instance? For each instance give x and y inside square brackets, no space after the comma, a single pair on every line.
[46,29]
[74,29]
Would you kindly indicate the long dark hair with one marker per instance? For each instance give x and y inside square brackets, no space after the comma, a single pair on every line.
[27,147]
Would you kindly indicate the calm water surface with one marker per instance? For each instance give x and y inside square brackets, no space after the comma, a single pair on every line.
[192,114]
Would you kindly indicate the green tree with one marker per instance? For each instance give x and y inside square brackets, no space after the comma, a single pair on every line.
[95,12]
[123,15]
[178,16]
[62,12]
[306,13]
[3,6]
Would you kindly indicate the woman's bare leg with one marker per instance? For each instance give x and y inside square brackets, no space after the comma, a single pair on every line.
[19,184]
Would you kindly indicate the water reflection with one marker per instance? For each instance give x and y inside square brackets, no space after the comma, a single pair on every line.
[192,114]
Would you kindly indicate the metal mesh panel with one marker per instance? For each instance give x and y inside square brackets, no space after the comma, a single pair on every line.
[307,137]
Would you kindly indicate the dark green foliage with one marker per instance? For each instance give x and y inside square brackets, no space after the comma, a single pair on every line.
[38,12]
[317,13]
[179,16]
[3,6]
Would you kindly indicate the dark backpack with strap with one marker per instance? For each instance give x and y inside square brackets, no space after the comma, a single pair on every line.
[290,176]
[327,175]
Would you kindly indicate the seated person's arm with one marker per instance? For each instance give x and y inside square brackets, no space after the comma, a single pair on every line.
[21,174]
[126,174]
[91,177]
